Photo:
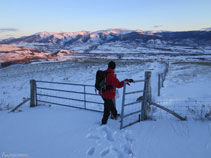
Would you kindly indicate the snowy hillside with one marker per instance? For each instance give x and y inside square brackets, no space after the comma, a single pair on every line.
[55,131]
[12,54]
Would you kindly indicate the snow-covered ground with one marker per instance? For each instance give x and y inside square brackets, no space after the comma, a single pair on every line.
[60,132]
[65,132]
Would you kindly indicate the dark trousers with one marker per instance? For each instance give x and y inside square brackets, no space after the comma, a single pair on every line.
[108,107]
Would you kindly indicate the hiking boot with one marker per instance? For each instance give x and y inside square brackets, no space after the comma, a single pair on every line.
[112,117]
[117,116]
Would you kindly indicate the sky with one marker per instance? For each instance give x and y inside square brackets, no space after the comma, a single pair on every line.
[26,17]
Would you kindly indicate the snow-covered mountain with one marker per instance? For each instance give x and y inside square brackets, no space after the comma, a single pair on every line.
[108,40]
[12,54]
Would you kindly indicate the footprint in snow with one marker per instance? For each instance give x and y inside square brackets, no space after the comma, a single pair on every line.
[105,152]
[92,136]
[127,149]
[108,134]
[119,153]
[91,151]
[129,138]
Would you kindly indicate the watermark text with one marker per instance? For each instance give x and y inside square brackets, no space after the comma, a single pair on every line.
[10,155]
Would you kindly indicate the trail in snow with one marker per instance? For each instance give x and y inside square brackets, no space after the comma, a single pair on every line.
[110,143]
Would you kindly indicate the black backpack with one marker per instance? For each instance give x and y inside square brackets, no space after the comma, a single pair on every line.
[100,82]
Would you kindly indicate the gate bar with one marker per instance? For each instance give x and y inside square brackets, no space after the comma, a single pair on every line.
[68,98]
[73,84]
[134,92]
[69,106]
[123,102]
[51,89]
[132,113]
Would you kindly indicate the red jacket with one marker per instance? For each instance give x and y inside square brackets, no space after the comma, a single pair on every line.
[111,80]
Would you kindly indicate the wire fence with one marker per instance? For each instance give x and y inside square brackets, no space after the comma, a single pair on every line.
[192,108]
[162,77]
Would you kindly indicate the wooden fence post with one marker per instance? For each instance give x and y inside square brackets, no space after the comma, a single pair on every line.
[149,88]
[159,84]
[146,96]
[84,97]
[33,98]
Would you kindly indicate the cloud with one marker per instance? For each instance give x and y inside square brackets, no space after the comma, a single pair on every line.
[8,30]
[157,26]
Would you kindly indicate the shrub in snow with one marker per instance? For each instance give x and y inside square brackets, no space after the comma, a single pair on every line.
[208,115]
[4,106]
[202,112]
[1,104]
[7,107]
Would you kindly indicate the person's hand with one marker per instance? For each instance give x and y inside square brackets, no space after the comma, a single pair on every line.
[130,80]
[127,82]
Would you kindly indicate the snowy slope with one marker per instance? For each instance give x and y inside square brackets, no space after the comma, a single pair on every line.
[57,132]
[65,132]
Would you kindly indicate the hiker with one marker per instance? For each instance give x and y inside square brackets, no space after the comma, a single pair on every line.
[109,95]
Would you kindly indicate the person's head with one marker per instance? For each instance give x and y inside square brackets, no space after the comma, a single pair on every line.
[112,65]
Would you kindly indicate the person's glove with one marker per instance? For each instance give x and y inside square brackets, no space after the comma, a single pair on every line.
[127,82]
[130,80]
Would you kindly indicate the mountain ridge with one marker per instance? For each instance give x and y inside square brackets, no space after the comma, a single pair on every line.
[87,42]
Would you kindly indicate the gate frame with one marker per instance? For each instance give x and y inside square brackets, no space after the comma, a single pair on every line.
[34,101]
[147,97]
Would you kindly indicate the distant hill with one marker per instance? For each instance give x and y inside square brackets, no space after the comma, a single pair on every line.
[12,54]
[109,41]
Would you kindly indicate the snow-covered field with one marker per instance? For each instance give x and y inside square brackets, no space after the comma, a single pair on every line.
[65,132]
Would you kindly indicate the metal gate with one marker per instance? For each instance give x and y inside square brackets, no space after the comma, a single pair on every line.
[135,110]
[79,96]
[83,96]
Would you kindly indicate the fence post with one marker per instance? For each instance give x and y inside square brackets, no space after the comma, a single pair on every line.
[33,95]
[159,84]
[85,96]
[163,78]
[149,88]
[146,95]
[123,103]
